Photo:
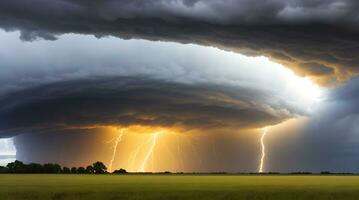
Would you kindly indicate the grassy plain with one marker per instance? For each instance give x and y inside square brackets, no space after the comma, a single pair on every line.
[173,187]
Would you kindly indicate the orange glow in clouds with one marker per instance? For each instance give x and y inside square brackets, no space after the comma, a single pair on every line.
[157,149]
[140,144]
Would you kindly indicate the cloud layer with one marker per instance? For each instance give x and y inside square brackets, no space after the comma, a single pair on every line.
[225,12]
[328,141]
[53,88]
[135,101]
[101,82]
[317,39]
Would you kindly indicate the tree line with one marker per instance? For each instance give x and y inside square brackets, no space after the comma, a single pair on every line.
[53,168]
[18,167]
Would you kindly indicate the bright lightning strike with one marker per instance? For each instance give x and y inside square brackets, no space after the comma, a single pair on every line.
[263,147]
[117,141]
[150,151]
[134,155]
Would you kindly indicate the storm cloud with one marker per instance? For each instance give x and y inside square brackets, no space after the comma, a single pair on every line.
[317,39]
[225,12]
[135,101]
[328,141]
[65,84]
[52,121]
[314,38]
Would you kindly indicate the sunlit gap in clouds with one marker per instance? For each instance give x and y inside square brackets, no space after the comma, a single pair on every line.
[7,151]
[307,92]
[299,90]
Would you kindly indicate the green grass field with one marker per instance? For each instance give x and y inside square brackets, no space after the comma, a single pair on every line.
[110,187]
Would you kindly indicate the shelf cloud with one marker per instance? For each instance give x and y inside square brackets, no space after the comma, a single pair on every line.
[316,39]
[133,101]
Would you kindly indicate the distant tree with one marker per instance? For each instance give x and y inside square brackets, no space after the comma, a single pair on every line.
[4,169]
[273,173]
[66,170]
[325,172]
[90,169]
[81,170]
[302,173]
[16,167]
[99,168]
[73,170]
[52,168]
[34,168]
[120,171]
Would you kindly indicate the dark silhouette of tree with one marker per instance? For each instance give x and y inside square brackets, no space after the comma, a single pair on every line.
[120,171]
[301,173]
[73,170]
[81,170]
[4,169]
[66,170]
[16,167]
[90,169]
[99,168]
[34,168]
[52,168]
[325,172]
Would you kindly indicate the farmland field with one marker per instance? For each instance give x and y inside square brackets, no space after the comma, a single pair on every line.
[157,187]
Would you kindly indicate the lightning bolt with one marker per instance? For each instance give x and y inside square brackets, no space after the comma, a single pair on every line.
[263,147]
[150,151]
[117,141]
[134,155]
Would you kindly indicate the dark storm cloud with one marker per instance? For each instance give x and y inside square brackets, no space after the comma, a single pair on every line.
[225,12]
[329,141]
[318,39]
[136,101]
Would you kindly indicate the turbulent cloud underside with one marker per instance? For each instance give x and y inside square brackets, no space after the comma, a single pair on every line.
[135,101]
[317,39]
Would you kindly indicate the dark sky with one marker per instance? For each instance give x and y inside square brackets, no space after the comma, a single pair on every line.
[58,77]
[315,38]
[329,139]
